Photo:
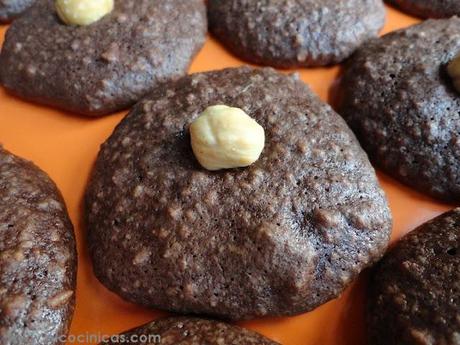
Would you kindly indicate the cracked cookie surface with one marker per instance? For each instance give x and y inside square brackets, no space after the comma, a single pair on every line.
[280,237]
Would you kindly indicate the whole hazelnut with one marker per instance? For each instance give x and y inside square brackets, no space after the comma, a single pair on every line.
[224,137]
[83,12]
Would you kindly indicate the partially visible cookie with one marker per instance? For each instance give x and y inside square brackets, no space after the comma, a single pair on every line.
[10,9]
[106,66]
[294,33]
[280,237]
[429,8]
[398,98]
[38,260]
[415,289]
[191,331]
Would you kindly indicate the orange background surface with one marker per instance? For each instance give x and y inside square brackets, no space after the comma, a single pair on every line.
[65,146]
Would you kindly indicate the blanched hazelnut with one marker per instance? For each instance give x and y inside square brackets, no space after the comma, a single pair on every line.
[83,12]
[454,72]
[224,137]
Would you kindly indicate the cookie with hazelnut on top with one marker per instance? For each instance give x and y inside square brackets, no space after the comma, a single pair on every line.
[236,194]
[398,93]
[96,57]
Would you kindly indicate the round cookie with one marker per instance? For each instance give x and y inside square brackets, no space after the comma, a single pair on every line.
[280,237]
[397,97]
[38,260]
[294,33]
[415,289]
[10,9]
[429,8]
[106,66]
[191,331]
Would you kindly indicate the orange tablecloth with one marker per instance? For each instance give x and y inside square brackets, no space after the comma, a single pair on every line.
[66,145]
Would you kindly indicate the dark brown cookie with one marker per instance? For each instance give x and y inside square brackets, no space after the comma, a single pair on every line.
[191,331]
[292,33]
[104,67]
[38,260]
[397,97]
[280,237]
[415,289]
[429,8]
[10,9]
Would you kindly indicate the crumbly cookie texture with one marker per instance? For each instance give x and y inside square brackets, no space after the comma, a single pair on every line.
[194,331]
[104,67]
[415,289]
[400,101]
[38,260]
[293,33]
[278,237]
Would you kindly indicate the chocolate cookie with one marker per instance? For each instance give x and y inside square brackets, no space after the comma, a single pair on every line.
[38,260]
[191,331]
[106,66]
[429,8]
[415,289]
[397,97]
[10,9]
[280,237]
[293,33]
